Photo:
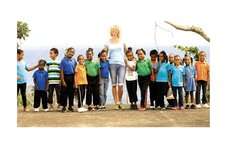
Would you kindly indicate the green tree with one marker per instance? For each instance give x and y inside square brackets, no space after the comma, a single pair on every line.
[192,50]
[22,32]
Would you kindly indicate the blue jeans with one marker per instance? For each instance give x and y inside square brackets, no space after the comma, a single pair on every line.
[117,73]
[180,95]
[104,82]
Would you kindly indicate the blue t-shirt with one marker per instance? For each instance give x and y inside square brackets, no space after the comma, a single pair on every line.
[104,68]
[68,65]
[21,71]
[162,75]
[177,75]
[41,77]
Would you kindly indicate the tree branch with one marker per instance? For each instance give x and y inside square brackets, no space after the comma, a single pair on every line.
[197,30]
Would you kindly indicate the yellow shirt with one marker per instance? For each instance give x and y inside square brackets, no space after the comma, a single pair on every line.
[202,69]
[80,76]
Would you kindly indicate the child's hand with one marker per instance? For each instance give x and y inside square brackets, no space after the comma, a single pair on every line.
[169,83]
[184,85]
[18,77]
[64,84]
[152,78]
[36,88]
[125,62]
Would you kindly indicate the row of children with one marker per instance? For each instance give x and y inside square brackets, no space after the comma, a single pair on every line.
[93,76]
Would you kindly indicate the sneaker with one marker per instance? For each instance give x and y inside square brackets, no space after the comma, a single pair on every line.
[26,109]
[135,106]
[174,108]
[193,106]
[58,107]
[163,108]
[46,110]
[121,106]
[103,108]
[142,108]
[36,109]
[84,109]
[152,107]
[80,110]
[187,107]
[97,108]
[116,106]
[51,108]
[70,109]
[206,106]
[198,106]
[181,108]
[63,109]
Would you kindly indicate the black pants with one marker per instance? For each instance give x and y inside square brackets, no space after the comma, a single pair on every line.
[162,89]
[152,94]
[81,95]
[143,82]
[92,90]
[38,95]
[68,91]
[132,90]
[203,84]
[22,88]
[51,92]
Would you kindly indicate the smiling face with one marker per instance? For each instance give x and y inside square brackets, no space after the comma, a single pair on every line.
[70,53]
[187,60]
[103,56]
[41,65]
[130,56]
[53,55]
[171,58]
[161,57]
[140,54]
[153,57]
[89,55]
[81,60]
[202,56]
[20,56]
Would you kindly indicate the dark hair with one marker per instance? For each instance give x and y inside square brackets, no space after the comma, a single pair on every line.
[164,55]
[130,50]
[42,61]
[141,50]
[20,51]
[191,59]
[55,50]
[202,52]
[79,56]
[89,50]
[103,51]
[70,49]
[153,52]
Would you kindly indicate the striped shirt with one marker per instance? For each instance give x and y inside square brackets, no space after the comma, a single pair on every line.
[53,68]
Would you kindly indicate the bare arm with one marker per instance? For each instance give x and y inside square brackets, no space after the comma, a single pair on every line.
[18,77]
[32,68]
[125,49]
[157,69]
[106,48]
[75,80]
[36,85]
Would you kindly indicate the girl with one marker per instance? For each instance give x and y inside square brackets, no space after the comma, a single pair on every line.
[189,82]
[162,81]
[92,70]
[21,77]
[67,66]
[104,78]
[176,79]
[40,86]
[144,70]
[80,82]
[131,78]
[152,85]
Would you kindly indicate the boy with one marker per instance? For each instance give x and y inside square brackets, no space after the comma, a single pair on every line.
[171,63]
[53,68]
[40,86]
[202,79]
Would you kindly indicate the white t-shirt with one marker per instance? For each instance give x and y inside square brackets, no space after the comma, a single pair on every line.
[129,74]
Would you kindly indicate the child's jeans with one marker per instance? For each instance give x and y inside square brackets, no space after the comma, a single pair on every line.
[180,95]
[203,84]
[104,82]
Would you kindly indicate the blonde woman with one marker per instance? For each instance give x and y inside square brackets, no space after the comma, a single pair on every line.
[116,51]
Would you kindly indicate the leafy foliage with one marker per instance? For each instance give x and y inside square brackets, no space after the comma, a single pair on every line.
[192,50]
[22,31]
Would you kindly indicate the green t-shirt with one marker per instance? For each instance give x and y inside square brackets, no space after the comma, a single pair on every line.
[144,67]
[92,67]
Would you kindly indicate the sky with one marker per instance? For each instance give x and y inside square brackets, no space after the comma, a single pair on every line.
[70,23]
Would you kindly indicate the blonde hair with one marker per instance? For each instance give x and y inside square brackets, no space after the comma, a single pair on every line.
[117,28]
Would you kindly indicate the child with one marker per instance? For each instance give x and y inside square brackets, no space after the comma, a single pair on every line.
[162,81]
[203,79]
[104,78]
[80,82]
[40,86]
[92,70]
[171,63]
[189,82]
[131,78]
[21,77]
[144,70]
[152,85]
[67,66]
[53,68]
[176,79]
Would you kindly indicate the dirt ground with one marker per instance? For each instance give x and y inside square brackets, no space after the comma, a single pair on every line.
[115,118]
